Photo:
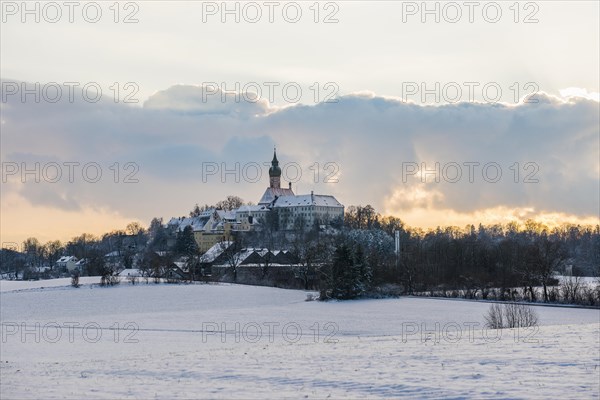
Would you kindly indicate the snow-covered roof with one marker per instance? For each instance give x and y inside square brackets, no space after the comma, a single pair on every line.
[197,223]
[260,207]
[214,252]
[271,193]
[228,215]
[174,221]
[274,265]
[243,254]
[307,200]
[261,252]
[65,259]
[206,213]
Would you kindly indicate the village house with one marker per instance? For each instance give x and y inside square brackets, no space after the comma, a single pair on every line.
[68,262]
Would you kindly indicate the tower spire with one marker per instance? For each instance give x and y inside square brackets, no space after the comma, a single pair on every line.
[275,171]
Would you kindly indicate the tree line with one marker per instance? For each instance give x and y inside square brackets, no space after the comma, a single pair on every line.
[357,257]
[502,261]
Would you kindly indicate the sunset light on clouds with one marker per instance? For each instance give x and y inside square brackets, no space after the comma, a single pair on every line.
[374,101]
[350,199]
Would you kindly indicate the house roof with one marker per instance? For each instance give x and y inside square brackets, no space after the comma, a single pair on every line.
[214,252]
[243,254]
[67,259]
[226,214]
[180,264]
[197,223]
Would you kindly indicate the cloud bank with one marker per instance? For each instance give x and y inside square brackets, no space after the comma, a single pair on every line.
[547,153]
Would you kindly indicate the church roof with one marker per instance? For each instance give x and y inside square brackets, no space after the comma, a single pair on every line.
[270,194]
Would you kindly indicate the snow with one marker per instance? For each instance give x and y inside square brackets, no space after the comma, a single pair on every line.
[271,193]
[252,208]
[587,280]
[307,200]
[7,286]
[200,340]
[215,251]
[131,272]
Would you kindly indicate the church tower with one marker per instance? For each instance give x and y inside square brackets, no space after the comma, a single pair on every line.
[275,172]
[275,190]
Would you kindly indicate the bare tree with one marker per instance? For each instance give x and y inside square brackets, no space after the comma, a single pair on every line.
[547,257]
[230,203]
[494,318]
[571,288]
[53,250]
[307,249]
[134,228]
[231,251]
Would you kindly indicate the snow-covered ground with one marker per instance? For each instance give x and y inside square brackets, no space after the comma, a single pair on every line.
[233,341]
[6,285]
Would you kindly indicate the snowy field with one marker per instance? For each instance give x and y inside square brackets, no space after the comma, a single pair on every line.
[233,341]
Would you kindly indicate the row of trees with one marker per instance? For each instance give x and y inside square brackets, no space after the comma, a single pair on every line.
[129,243]
[359,257]
[483,262]
[227,204]
[496,257]
[35,256]
[475,262]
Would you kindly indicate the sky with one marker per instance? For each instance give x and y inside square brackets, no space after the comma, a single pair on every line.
[434,112]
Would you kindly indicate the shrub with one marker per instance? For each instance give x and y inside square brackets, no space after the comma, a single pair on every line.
[494,319]
[109,280]
[75,279]
[511,315]
[571,288]
[590,295]
[553,294]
